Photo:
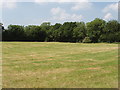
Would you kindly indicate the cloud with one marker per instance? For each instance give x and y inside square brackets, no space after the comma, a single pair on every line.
[82,5]
[56,11]
[108,16]
[9,4]
[61,15]
[60,1]
[40,1]
[111,7]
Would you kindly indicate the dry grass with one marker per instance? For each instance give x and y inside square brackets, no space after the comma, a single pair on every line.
[59,65]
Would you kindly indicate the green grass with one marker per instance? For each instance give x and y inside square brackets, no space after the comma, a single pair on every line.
[59,65]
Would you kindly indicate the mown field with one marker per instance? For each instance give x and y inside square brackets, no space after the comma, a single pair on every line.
[59,65]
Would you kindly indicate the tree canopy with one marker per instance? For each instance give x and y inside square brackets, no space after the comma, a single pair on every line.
[95,31]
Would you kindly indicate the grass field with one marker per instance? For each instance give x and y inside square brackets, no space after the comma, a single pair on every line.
[59,65]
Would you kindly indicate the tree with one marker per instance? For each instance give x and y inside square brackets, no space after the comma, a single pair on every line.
[65,32]
[52,32]
[79,32]
[34,33]
[14,33]
[45,24]
[111,32]
[1,30]
[1,26]
[95,29]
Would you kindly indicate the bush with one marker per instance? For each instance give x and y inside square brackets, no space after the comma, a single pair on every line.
[86,40]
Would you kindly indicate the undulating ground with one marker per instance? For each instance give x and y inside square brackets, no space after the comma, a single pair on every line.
[59,65]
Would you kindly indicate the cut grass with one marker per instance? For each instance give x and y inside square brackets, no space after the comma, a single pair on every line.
[59,65]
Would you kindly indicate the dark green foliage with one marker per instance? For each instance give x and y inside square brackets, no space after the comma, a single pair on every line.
[14,33]
[79,32]
[1,26]
[95,28]
[1,30]
[52,32]
[34,33]
[111,32]
[65,32]
[95,31]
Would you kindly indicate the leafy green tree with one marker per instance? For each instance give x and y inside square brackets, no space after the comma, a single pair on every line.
[79,32]
[14,32]
[1,30]
[111,32]
[1,26]
[95,29]
[52,32]
[65,32]
[45,24]
[34,33]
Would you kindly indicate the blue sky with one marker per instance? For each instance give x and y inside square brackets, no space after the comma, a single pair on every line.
[35,13]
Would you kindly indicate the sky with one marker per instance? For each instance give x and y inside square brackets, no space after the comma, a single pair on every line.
[36,12]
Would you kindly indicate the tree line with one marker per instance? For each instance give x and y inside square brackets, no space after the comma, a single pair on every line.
[95,31]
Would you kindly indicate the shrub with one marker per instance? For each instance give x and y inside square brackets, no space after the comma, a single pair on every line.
[86,40]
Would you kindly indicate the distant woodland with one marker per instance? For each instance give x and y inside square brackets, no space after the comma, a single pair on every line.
[95,31]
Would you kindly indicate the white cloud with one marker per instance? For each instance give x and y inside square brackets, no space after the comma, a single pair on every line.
[61,15]
[40,1]
[9,4]
[60,1]
[82,5]
[76,17]
[71,0]
[111,7]
[108,16]
[57,10]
